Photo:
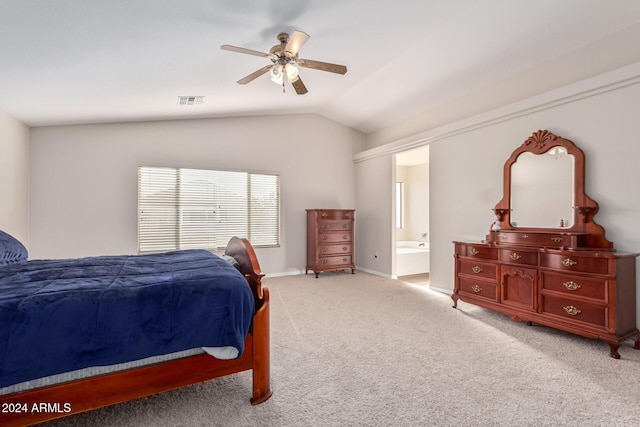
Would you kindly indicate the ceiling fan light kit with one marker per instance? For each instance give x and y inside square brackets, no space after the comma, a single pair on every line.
[285,61]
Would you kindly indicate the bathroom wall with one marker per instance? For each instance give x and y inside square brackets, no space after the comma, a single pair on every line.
[416,191]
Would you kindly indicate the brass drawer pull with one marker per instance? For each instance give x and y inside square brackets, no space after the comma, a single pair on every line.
[525,236]
[323,250]
[476,289]
[474,251]
[345,237]
[325,214]
[514,256]
[325,237]
[344,259]
[344,248]
[556,239]
[325,226]
[325,261]
[345,225]
[568,262]
[477,269]
[571,285]
[571,310]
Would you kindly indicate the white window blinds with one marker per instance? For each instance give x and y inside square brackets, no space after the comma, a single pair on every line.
[180,208]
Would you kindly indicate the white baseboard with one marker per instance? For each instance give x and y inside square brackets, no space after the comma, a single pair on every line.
[284,273]
[441,290]
[376,273]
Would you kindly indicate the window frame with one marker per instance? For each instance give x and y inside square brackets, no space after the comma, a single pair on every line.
[275,227]
[400,207]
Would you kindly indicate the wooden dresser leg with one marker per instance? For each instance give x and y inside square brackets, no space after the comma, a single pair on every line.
[614,350]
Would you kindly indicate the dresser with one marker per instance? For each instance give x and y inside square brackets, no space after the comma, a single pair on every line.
[588,293]
[330,240]
[567,277]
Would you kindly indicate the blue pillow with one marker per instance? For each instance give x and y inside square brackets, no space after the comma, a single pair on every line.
[11,250]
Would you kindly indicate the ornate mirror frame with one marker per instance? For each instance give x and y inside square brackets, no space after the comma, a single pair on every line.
[590,234]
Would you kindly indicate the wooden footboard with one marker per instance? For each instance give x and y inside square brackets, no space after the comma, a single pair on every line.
[64,399]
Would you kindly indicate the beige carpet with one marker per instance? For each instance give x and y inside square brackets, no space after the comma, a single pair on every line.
[361,350]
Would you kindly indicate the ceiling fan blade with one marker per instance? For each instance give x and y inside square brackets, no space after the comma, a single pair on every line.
[300,88]
[244,50]
[254,75]
[323,66]
[297,39]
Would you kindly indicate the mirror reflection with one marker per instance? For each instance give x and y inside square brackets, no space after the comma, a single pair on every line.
[542,190]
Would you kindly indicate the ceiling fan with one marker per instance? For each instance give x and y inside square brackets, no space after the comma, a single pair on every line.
[285,61]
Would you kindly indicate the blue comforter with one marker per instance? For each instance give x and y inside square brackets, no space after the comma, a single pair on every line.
[62,315]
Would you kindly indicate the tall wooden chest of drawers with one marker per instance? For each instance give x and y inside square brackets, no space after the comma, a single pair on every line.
[330,240]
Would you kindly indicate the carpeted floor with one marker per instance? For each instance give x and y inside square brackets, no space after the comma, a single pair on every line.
[362,350]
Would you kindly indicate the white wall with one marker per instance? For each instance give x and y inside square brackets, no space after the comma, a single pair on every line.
[14,177]
[467,158]
[605,127]
[84,178]
[374,214]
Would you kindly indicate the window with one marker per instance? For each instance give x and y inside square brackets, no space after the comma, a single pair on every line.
[399,204]
[181,208]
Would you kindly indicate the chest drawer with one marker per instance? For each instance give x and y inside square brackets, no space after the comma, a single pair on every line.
[478,269]
[325,226]
[478,288]
[335,249]
[476,251]
[569,262]
[574,285]
[592,313]
[516,256]
[333,261]
[335,214]
[335,238]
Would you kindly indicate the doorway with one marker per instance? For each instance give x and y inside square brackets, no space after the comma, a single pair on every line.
[411,198]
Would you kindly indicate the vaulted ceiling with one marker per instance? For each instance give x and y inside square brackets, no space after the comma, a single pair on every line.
[88,61]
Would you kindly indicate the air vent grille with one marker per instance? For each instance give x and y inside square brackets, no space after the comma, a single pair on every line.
[190,100]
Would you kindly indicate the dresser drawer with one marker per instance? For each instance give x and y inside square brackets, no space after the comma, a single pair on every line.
[569,262]
[335,249]
[333,261]
[592,313]
[335,238]
[518,257]
[476,251]
[478,269]
[478,288]
[575,285]
[552,240]
[335,214]
[325,226]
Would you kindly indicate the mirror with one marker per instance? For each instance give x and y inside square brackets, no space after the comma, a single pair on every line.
[542,189]
[544,193]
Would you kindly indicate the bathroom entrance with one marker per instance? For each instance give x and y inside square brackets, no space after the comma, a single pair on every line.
[411,191]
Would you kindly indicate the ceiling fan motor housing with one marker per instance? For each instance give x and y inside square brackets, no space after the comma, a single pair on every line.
[279,55]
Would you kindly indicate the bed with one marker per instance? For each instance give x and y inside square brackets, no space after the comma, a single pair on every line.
[136,333]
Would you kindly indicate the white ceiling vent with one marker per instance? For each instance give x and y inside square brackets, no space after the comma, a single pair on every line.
[190,100]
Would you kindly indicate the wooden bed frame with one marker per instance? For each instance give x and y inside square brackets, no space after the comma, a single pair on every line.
[72,397]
